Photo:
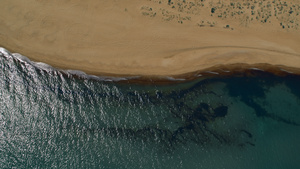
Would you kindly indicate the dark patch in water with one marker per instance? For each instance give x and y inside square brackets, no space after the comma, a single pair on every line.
[293,83]
[193,128]
[221,111]
[251,88]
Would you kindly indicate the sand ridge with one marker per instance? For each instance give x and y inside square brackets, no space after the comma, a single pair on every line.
[149,37]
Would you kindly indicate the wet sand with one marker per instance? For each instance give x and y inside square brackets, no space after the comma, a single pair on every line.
[147,38]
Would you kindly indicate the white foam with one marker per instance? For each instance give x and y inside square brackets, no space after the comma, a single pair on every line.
[43,66]
[254,68]
[286,71]
[21,58]
[225,70]
[174,79]
[82,74]
[216,73]
[4,51]
[76,72]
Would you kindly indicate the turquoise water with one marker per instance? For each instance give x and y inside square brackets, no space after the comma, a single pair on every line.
[51,119]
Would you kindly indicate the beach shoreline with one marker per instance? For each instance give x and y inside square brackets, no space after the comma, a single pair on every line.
[216,71]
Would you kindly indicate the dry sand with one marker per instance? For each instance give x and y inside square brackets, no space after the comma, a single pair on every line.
[151,37]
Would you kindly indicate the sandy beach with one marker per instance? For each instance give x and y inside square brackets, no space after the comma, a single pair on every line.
[152,37]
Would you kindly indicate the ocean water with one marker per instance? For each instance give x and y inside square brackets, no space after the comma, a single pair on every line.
[53,119]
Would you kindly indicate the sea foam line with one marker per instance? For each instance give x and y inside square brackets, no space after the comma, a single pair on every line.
[286,71]
[48,68]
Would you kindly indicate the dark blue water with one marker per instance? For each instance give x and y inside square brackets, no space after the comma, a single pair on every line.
[51,119]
